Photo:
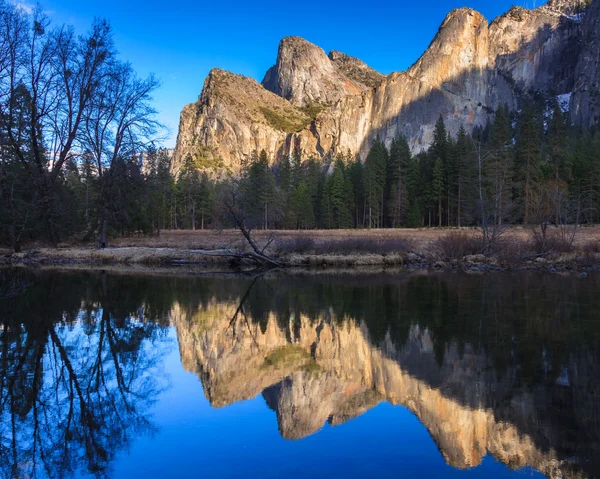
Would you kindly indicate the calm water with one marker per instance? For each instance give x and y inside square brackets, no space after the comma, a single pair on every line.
[327,376]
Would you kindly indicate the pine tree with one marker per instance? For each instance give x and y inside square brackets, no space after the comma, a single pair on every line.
[206,199]
[438,186]
[375,176]
[259,192]
[188,185]
[413,217]
[558,145]
[356,178]
[342,217]
[527,162]
[397,169]
[464,174]
[439,153]
[414,188]
[302,206]
[285,175]
[500,165]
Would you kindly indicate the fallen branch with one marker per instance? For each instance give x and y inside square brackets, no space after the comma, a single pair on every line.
[258,254]
[239,256]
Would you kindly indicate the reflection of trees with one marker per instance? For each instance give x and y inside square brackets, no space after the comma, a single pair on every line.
[475,352]
[76,381]
[78,351]
[529,321]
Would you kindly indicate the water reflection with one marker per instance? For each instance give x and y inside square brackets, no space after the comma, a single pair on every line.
[500,364]
[77,374]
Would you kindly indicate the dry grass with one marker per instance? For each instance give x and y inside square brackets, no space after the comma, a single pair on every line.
[332,248]
[127,255]
[344,246]
[416,239]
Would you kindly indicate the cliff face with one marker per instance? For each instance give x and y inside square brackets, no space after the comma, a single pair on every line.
[321,104]
[585,103]
[305,75]
[324,369]
[234,116]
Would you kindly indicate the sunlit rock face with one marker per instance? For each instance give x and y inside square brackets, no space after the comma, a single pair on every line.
[320,104]
[230,121]
[328,370]
[305,75]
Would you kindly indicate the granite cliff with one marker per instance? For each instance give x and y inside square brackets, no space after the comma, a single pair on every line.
[320,104]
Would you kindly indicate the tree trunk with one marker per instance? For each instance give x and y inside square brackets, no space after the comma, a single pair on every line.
[458,220]
[14,238]
[104,232]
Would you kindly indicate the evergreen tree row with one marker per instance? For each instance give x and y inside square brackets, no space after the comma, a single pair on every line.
[521,168]
[526,167]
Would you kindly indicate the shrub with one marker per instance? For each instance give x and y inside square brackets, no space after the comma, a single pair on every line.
[458,244]
[345,246]
[592,247]
[299,245]
[509,250]
[281,121]
[549,242]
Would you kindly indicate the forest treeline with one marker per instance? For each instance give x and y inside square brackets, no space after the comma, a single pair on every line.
[77,159]
[526,167]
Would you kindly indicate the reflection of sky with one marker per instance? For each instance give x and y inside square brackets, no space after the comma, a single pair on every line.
[242,440]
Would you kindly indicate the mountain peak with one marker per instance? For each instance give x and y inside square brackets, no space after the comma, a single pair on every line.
[356,69]
[305,75]
[318,104]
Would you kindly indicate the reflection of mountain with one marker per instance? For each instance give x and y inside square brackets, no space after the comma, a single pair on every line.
[326,368]
[505,364]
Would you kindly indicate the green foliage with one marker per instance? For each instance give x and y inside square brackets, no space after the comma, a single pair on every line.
[337,199]
[375,179]
[284,121]
[259,193]
[302,207]
[312,110]
[397,171]
[528,156]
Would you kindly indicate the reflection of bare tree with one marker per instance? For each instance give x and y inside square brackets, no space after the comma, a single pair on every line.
[74,390]
[12,284]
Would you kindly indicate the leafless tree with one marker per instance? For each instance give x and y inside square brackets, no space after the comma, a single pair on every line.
[552,203]
[489,211]
[59,74]
[118,125]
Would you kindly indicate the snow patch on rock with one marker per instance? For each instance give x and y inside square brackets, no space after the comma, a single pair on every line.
[564,101]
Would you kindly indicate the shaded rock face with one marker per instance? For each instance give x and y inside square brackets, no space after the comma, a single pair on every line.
[585,102]
[325,369]
[336,104]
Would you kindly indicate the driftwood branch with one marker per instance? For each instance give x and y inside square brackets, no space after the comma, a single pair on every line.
[259,255]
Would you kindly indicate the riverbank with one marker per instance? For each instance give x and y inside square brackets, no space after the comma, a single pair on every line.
[440,249]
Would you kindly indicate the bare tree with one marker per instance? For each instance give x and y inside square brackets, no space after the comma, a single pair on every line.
[551,203]
[118,125]
[492,227]
[59,75]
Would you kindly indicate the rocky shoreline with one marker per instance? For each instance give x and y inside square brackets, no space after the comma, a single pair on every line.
[173,257]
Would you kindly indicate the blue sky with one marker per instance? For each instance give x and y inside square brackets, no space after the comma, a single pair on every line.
[181,40]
